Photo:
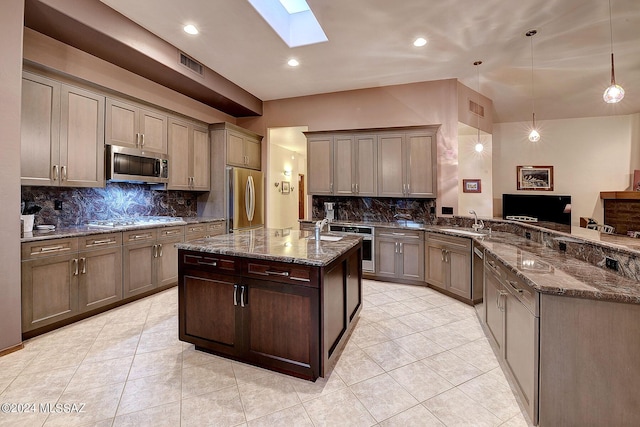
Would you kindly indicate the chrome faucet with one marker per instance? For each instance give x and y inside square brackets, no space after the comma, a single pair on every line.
[476,226]
[319,226]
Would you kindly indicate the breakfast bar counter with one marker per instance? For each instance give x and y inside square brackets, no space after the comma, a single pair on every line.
[274,298]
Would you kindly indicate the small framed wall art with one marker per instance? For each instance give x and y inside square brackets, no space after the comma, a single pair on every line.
[538,178]
[471,186]
[285,187]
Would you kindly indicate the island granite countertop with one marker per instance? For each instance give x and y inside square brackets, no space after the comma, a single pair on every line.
[280,245]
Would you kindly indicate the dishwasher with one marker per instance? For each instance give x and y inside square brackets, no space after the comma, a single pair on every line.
[477,278]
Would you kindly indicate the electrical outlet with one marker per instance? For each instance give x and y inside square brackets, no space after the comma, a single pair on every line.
[446,210]
[57,205]
[562,246]
[432,210]
[527,235]
[611,263]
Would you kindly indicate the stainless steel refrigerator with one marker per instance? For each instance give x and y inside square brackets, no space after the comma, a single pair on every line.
[246,199]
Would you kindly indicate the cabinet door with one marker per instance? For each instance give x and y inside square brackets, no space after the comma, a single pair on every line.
[253,151]
[320,165]
[100,278]
[153,131]
[167,261]
[420,177]
[435,266]
[459,266]
[49,290]
[386,257]
[235,149]
[279,327]
[391,166]
[200,159]
[139,266]
[520,349]
[81,138]
[366,165]
[493,300]
[121,126]
[343,162]
[412,259]
[214,295]
[179,156]
[40,121]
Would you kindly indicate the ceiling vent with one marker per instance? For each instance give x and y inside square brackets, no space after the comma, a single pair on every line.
[476,108]
[191,64]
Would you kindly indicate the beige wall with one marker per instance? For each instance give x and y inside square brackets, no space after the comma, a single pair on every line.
[282,208]
[589,155]
[474,165]
[45,51]
[424,103]
[10,86]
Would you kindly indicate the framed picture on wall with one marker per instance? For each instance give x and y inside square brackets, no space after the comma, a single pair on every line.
[537,178]
[471,186]
[285,186]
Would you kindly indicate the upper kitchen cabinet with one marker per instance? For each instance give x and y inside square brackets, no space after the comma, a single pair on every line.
[189,150]
[243,147]
[132,125]
[407,165]
[320,164]
[62,139]
[397,162]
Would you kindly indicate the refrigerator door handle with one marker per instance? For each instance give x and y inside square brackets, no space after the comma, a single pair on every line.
[249,198]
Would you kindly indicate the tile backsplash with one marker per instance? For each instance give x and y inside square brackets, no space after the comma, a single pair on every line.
[116,200]
[376,209]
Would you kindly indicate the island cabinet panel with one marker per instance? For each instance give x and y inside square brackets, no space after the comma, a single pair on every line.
[335,316]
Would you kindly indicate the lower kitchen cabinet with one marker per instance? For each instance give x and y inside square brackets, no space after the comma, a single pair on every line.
[448,264]
[204,229]
[399,254]
[150,258]
[65,277]
[513,321]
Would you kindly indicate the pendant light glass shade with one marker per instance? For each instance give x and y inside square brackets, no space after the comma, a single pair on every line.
[534,135]
[613,93]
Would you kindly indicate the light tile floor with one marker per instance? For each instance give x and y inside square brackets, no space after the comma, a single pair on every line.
[416,358]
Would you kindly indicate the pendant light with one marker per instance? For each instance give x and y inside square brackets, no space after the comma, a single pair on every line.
[479,146]
[613,93]
[534,136]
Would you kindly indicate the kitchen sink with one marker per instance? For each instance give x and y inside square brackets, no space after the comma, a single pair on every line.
[465,232]
[327,238]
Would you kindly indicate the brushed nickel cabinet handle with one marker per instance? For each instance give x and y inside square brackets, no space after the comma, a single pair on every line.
[51,248]
[55,172]
[235,294]
[83,261]
[160,245]
[75,266]
[63,170]
[277,273]
[242,291]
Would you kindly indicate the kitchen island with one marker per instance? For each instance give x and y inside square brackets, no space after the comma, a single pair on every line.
[274,298]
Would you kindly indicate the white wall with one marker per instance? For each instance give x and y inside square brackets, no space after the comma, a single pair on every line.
[282,209]
[474,165]
[589,155]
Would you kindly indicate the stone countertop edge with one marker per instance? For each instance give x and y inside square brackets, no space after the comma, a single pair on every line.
[268,244]
[84,230]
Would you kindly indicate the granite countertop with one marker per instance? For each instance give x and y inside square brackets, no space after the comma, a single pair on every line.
[84,230]
[281,245]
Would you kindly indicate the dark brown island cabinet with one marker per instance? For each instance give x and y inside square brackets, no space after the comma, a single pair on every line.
[288,317]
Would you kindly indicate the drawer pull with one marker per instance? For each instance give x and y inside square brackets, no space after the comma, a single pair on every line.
[212,264]
[140,236]
[194,229]
[300,279]
[102,242]
[515,288]
[277,273]
[52,248]
[168,233]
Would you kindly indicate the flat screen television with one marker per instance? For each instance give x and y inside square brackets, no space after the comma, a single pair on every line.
[544,207]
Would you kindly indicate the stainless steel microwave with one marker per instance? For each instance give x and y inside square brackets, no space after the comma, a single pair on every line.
[134,165]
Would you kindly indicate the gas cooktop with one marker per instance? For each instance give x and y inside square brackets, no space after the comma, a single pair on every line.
[134,221]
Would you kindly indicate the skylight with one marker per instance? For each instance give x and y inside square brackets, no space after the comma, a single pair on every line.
[292,20]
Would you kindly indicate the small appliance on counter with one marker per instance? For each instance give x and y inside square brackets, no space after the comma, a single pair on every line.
[329,210]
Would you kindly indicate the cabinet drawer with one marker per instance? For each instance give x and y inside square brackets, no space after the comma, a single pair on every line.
[43,248]
[215,228]
[399,233]
[170,232]
[97,241]
[139,236]
[459,242]
[279,272]
[211,262]
[523,292]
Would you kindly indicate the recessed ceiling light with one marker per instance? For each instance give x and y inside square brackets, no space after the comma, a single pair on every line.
[419,42]
[293,62]
[190,29]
